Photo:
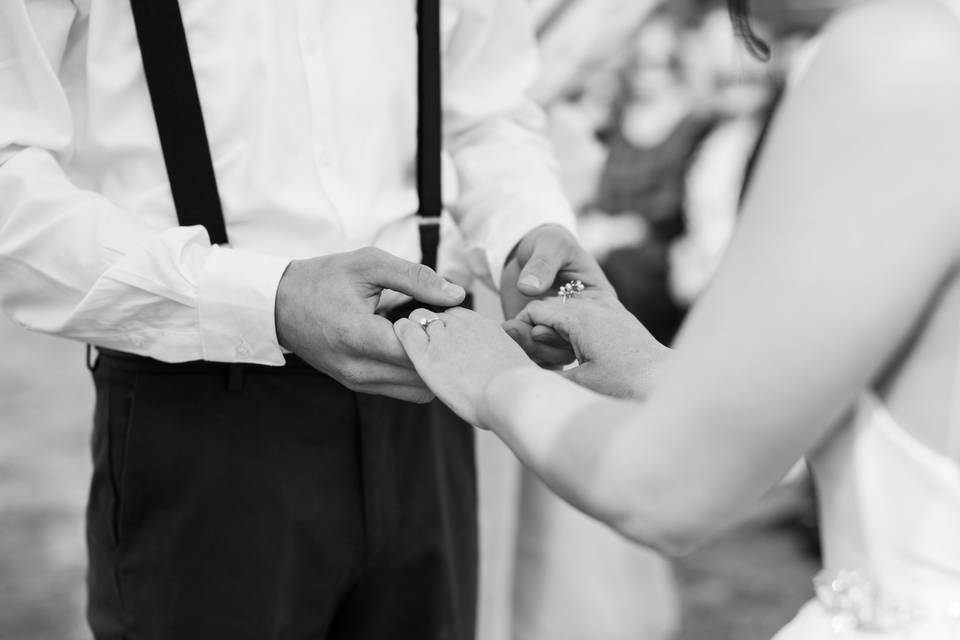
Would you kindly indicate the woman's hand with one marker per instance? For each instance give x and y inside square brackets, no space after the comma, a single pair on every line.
[617,355]
[458,354]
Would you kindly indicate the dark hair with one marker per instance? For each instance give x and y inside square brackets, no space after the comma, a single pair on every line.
[740,14]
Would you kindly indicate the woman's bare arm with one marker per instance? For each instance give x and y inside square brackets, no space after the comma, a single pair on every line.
[852,223]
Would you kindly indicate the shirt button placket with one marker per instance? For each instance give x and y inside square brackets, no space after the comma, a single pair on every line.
[318,85]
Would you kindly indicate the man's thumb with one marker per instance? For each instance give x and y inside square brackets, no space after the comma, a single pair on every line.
[539,272]
[415,280]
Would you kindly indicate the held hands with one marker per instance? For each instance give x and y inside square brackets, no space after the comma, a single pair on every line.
[325,313]
[617,355]
[459,353]
[546,257]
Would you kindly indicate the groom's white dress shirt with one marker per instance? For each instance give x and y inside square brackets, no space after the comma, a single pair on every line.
[310,108]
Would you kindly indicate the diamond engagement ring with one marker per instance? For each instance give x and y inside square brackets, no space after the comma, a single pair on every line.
[571,290]
[425,322]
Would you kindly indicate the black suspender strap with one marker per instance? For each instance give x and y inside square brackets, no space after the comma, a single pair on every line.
[183,136]
[176,106]
[429,129]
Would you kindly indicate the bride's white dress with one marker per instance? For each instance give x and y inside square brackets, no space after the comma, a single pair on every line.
[890,525]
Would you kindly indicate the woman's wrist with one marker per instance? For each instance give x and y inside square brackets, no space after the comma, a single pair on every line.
[507,395]
[526,405]
[648,371]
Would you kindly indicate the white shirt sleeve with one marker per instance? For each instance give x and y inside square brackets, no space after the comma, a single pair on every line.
[73,263]
[506,170]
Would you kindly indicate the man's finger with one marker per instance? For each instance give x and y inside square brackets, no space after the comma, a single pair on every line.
[360,374]
[422,283]
[416,394]
[373,337]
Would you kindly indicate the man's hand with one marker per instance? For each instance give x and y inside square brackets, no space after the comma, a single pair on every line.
[544,259]
[325,313]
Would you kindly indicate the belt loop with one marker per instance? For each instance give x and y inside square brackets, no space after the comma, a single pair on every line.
[92,364]
[235,378]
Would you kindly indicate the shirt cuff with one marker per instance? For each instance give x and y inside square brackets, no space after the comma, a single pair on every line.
[237,299]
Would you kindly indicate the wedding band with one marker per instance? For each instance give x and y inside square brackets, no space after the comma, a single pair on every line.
[425,322]
[571,290]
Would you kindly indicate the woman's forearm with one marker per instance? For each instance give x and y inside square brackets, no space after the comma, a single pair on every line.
[598,453]
[531,408]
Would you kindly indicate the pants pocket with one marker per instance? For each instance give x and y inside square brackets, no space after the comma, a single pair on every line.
[115,393]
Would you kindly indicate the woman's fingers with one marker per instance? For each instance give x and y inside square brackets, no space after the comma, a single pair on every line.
[520,331]
[412,336]
[547,336]
[556,316]
[561,331]
[416,331]
[552,349]
[553,352]
[552,357]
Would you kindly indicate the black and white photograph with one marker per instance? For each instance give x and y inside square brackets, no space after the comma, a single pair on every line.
[480,320]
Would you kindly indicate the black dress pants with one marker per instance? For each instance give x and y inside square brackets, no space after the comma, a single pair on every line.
[262,503]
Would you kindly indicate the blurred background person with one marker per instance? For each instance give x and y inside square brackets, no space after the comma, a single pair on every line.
[659,122]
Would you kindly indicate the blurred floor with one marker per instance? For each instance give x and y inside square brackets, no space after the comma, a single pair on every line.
[741,588]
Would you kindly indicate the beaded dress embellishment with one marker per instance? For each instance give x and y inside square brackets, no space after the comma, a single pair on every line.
[855,603]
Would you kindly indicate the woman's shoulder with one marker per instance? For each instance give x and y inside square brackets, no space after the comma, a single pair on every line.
[880,99]
[889,66]
[894,43]
[877,13]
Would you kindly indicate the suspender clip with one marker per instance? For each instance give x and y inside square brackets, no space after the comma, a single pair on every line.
[428,221]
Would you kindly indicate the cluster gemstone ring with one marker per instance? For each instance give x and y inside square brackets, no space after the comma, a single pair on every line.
[570,290]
